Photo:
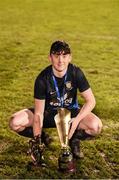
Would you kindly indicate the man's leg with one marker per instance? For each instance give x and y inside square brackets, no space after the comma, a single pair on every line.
[22,122]
[90,126]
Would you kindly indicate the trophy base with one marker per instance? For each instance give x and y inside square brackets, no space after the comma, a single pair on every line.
[66,162]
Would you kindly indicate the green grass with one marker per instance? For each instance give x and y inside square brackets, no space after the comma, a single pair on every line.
[27,29]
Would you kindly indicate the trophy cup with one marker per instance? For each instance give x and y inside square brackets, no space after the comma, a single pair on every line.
[65,161]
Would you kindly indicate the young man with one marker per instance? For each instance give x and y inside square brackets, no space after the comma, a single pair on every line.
[56,86]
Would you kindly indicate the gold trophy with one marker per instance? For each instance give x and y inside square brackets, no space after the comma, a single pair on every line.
[65,161]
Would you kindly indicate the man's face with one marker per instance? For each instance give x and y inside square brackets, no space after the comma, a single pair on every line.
[60,61]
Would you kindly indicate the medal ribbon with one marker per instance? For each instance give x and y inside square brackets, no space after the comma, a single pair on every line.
[57,89]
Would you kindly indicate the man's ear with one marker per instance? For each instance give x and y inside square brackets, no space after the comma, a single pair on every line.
[70,58]
[49,57]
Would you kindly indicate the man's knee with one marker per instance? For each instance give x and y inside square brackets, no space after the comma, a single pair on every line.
[12,124]
[20,120]
[96,126]
[15,124]
[100,126]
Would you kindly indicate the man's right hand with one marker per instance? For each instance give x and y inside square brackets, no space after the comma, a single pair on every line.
[36,149]
[37,139]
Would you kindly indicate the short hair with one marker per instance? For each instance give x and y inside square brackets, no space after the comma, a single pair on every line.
[59,47]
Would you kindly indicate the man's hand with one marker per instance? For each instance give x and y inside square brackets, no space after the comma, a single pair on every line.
[36,149]
[37,139]
[84,111]
[74,125]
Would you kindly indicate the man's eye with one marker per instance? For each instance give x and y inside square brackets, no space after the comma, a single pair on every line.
[56,55]
[64,56]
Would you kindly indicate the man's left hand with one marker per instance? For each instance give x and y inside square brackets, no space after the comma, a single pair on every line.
[74,125]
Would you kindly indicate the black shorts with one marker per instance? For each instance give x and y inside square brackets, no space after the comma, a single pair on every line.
[49,121]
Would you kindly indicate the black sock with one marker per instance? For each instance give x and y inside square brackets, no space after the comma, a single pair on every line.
[82,135]
[27,132]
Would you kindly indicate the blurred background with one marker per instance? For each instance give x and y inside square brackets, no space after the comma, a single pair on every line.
[27,29]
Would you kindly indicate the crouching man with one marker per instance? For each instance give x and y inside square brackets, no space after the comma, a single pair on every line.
[56,86]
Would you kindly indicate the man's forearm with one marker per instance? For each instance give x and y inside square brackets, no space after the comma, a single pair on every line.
[37,125]
[85,110]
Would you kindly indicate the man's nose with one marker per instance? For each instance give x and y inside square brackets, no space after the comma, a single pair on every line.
[60,58]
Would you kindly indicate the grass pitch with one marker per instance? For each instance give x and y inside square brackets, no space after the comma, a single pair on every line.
[27,29]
